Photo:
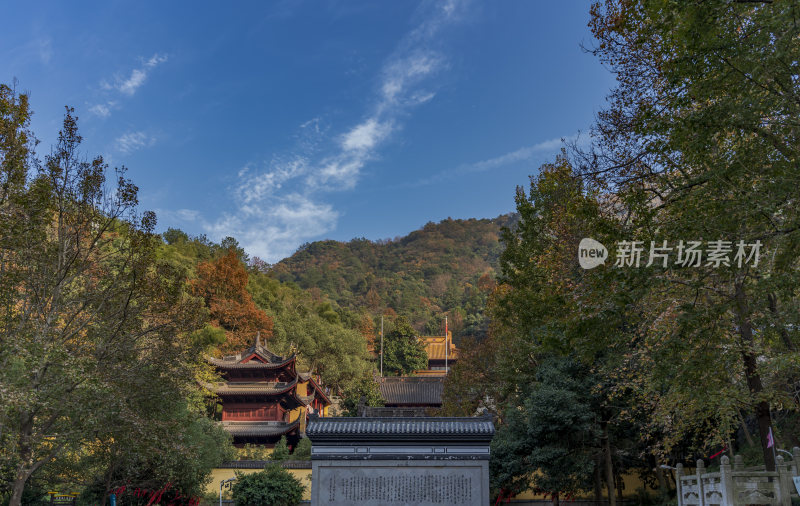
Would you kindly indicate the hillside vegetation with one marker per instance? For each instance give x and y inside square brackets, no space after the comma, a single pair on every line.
[243,299]
[445,268]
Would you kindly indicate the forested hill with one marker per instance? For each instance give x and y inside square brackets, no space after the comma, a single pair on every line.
[443,268]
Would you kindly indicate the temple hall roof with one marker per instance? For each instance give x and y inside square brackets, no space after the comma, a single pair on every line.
[250,429]
[253,364]
[255,357]
[408,390]
[435,347]
[254,388]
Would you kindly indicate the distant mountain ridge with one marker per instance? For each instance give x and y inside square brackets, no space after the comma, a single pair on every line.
[442,268]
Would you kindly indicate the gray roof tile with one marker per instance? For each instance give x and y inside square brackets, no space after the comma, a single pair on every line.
[255,388]
[259,428]
[405,390]
[439,428]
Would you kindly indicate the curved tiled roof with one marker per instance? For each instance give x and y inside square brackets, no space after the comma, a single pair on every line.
[253,364]
[267,359]
[413,391]
[244,429]
[440,347]
[255,388]
[423,428]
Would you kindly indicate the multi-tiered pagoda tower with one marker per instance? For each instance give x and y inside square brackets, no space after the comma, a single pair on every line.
[264,397]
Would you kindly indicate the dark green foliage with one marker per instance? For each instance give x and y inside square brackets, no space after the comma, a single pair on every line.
[208,337]
[303,450]
[200,446]
[34,495]
[281,450]
[99,376]
[551,429]
[365,388]
[326,339]
[273,486]
[699,140]
[403,352]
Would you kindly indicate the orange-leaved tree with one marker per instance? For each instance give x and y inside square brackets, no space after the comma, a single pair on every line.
[223,285]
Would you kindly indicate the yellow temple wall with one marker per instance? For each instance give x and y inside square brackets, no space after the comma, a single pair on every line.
[631,484]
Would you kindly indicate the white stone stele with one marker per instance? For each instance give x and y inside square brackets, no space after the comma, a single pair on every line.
[394,483]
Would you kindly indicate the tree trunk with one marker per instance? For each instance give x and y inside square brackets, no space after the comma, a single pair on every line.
[662,483]
[16,491]
[751,374]
[25,454]
[773,308]
[598,478]
[555,499]
[747,435]
[609,465]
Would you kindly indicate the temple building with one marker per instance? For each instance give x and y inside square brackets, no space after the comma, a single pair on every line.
[406,396]
[442,354]
[264,397]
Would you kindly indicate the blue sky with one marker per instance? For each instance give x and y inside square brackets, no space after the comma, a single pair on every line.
[284,122]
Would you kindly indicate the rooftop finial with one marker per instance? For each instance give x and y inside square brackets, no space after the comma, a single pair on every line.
[258,339]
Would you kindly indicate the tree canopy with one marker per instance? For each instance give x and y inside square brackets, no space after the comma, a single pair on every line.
[95,356]
[403,352]
[698,143]
[222,283]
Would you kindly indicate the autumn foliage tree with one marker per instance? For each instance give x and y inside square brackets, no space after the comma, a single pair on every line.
[700,141]
[96,362]
[222,283]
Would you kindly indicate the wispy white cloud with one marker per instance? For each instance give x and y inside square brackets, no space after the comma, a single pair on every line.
[138,76]
[526,154]
[127,86]
[275,231]
[37,48]
[521,154]
[187,214]
[103,110]
[256,186]
[281,204]
[312,123]
[366,135]
[133,141]
[45,47]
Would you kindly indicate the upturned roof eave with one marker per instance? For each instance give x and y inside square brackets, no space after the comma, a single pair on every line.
[231,389]
[225,364]
[255,431]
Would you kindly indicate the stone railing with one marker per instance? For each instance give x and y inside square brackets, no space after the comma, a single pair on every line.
[735,485]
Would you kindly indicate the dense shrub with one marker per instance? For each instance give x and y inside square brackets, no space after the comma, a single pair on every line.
[273,486]
[281,450]
[303,450]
